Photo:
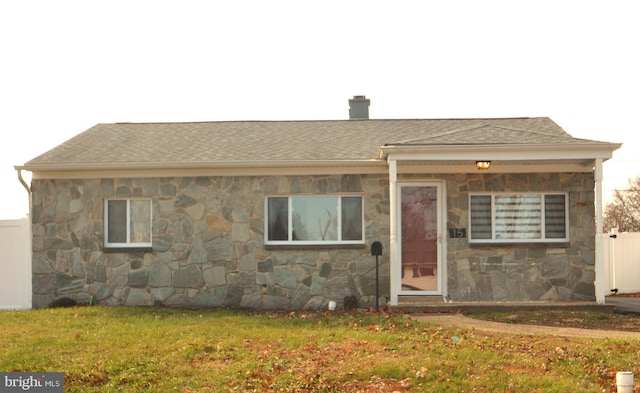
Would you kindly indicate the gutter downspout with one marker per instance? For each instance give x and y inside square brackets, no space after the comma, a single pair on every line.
[25,185]
[599,251]
[27,291]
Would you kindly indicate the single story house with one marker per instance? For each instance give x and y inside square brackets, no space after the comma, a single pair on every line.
[283,214]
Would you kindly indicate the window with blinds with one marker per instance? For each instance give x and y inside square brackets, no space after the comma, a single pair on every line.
[518,217]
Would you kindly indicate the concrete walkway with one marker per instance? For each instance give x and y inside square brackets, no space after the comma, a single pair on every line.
[461,321]
[624,304]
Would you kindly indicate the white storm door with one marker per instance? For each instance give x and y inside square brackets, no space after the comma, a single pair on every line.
[420,225]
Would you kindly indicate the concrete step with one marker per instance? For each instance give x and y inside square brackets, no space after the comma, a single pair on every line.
[421,299]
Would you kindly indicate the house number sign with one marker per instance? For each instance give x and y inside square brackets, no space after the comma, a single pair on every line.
[458,233]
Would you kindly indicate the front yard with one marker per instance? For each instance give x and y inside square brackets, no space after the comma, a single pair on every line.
[154,349]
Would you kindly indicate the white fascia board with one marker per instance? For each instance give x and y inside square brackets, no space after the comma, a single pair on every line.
[497,167]
[199,165]
[533,152]
[218,169]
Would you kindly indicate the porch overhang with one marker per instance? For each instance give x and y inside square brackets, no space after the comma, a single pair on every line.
[505,158]
[582,156]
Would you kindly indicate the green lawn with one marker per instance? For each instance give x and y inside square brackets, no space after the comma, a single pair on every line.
[161,350]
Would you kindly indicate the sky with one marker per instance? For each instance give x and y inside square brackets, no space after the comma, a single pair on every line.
[68,65]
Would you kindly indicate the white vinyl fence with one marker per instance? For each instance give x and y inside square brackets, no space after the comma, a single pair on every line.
[622,262]
[15,265]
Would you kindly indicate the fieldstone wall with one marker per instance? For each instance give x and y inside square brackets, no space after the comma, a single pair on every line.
[523,272]
[208,245]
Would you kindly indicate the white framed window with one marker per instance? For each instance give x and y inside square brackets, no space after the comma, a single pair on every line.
[518,217]
[127,223]
[314,220]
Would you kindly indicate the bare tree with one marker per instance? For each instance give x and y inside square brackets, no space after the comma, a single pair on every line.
[623,212]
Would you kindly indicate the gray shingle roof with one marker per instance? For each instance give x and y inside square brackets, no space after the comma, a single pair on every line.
[248,141]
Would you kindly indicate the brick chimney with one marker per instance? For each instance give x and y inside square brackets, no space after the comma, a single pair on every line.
[359,108]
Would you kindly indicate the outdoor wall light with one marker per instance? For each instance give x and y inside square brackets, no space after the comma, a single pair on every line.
[483,165]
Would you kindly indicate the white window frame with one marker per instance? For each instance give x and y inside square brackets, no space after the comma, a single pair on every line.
[128,243]
[291,242]
[542,239]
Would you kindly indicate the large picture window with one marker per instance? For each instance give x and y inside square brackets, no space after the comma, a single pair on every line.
[314,220]
[127,223]
[518,217]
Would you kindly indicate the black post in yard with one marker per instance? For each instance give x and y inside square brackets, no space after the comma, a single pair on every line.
[376,249]
[377,286]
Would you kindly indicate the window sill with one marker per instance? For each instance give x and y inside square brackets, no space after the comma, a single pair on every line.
[312,246]
[127,249]
[562,243]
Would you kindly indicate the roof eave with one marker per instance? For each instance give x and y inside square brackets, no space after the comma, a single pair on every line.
[75,167]
[543,151]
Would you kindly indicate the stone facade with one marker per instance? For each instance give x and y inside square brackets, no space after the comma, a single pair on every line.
[523,272]
[208,245]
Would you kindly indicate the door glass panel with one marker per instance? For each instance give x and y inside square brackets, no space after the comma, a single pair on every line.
[419,212]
